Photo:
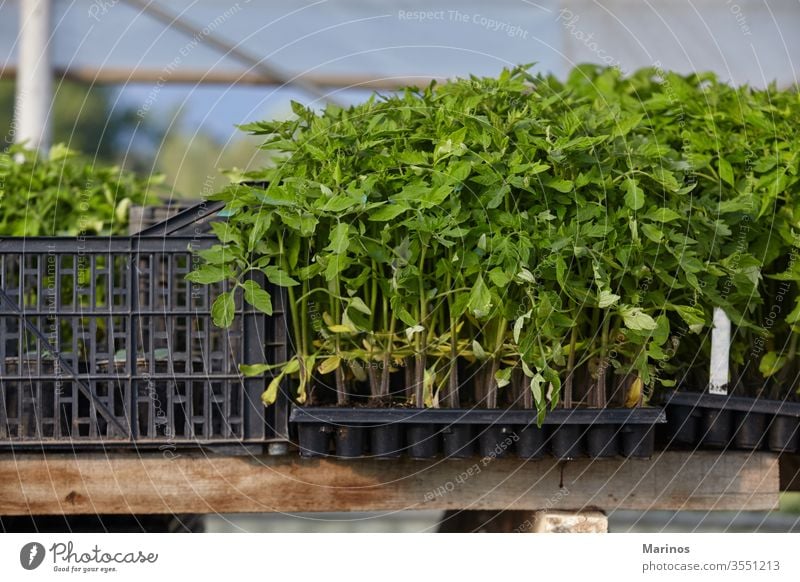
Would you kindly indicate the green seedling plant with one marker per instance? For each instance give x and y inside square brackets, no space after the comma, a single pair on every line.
[495,241]
[62,193]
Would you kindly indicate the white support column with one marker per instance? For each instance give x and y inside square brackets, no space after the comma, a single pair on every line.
[719,376]
[34,75]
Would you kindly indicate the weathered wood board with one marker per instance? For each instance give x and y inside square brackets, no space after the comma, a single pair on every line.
[127,483]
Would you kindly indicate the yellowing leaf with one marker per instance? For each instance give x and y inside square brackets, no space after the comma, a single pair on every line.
[328,365]
[270,395]
[339,328]
[634,396]
[291,367]
[256,369]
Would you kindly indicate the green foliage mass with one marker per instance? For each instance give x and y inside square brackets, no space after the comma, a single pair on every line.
[63,194]
[568,237]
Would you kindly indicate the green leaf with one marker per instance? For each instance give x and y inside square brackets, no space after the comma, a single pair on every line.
[537,391]
[662,215]
[560,184]
[652,233]
[771,363]
[478,350]
[480,299]
[222,311]
[636,319]
[726,171]
[499,277]
[256,369]
[624,126]
[661,332]
[339,239]
[518,324]
[503,377]
[336,264]
[257,297]
[208,274]
[279,277]
[634,196]
[694,317]
[526,276]
[339,203]
[226,233]
[793,317]
[358,304]
[276,197]
[496,195]
[607,299]
[387,212]
[261,225]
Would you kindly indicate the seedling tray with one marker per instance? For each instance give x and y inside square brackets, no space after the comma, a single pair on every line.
[715,421]
[424,433]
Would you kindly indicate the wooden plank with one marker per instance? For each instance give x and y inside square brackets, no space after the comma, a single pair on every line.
[153,483]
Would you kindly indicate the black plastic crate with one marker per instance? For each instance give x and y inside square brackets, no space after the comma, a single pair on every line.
[199,214]
[103,342]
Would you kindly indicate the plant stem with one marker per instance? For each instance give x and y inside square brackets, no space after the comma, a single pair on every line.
[573,340]
[600,387]
[452,400]
[409,378]
[420,339]
[342,398]
[374,298]
[304,320]
[387,360]
[782,378]
[492,387]
[522,388]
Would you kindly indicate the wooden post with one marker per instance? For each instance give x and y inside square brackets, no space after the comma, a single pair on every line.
[543,521]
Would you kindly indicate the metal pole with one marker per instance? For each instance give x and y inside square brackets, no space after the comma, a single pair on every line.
[34,91]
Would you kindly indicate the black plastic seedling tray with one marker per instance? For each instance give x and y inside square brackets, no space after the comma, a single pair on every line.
[715,421]
[388,433]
